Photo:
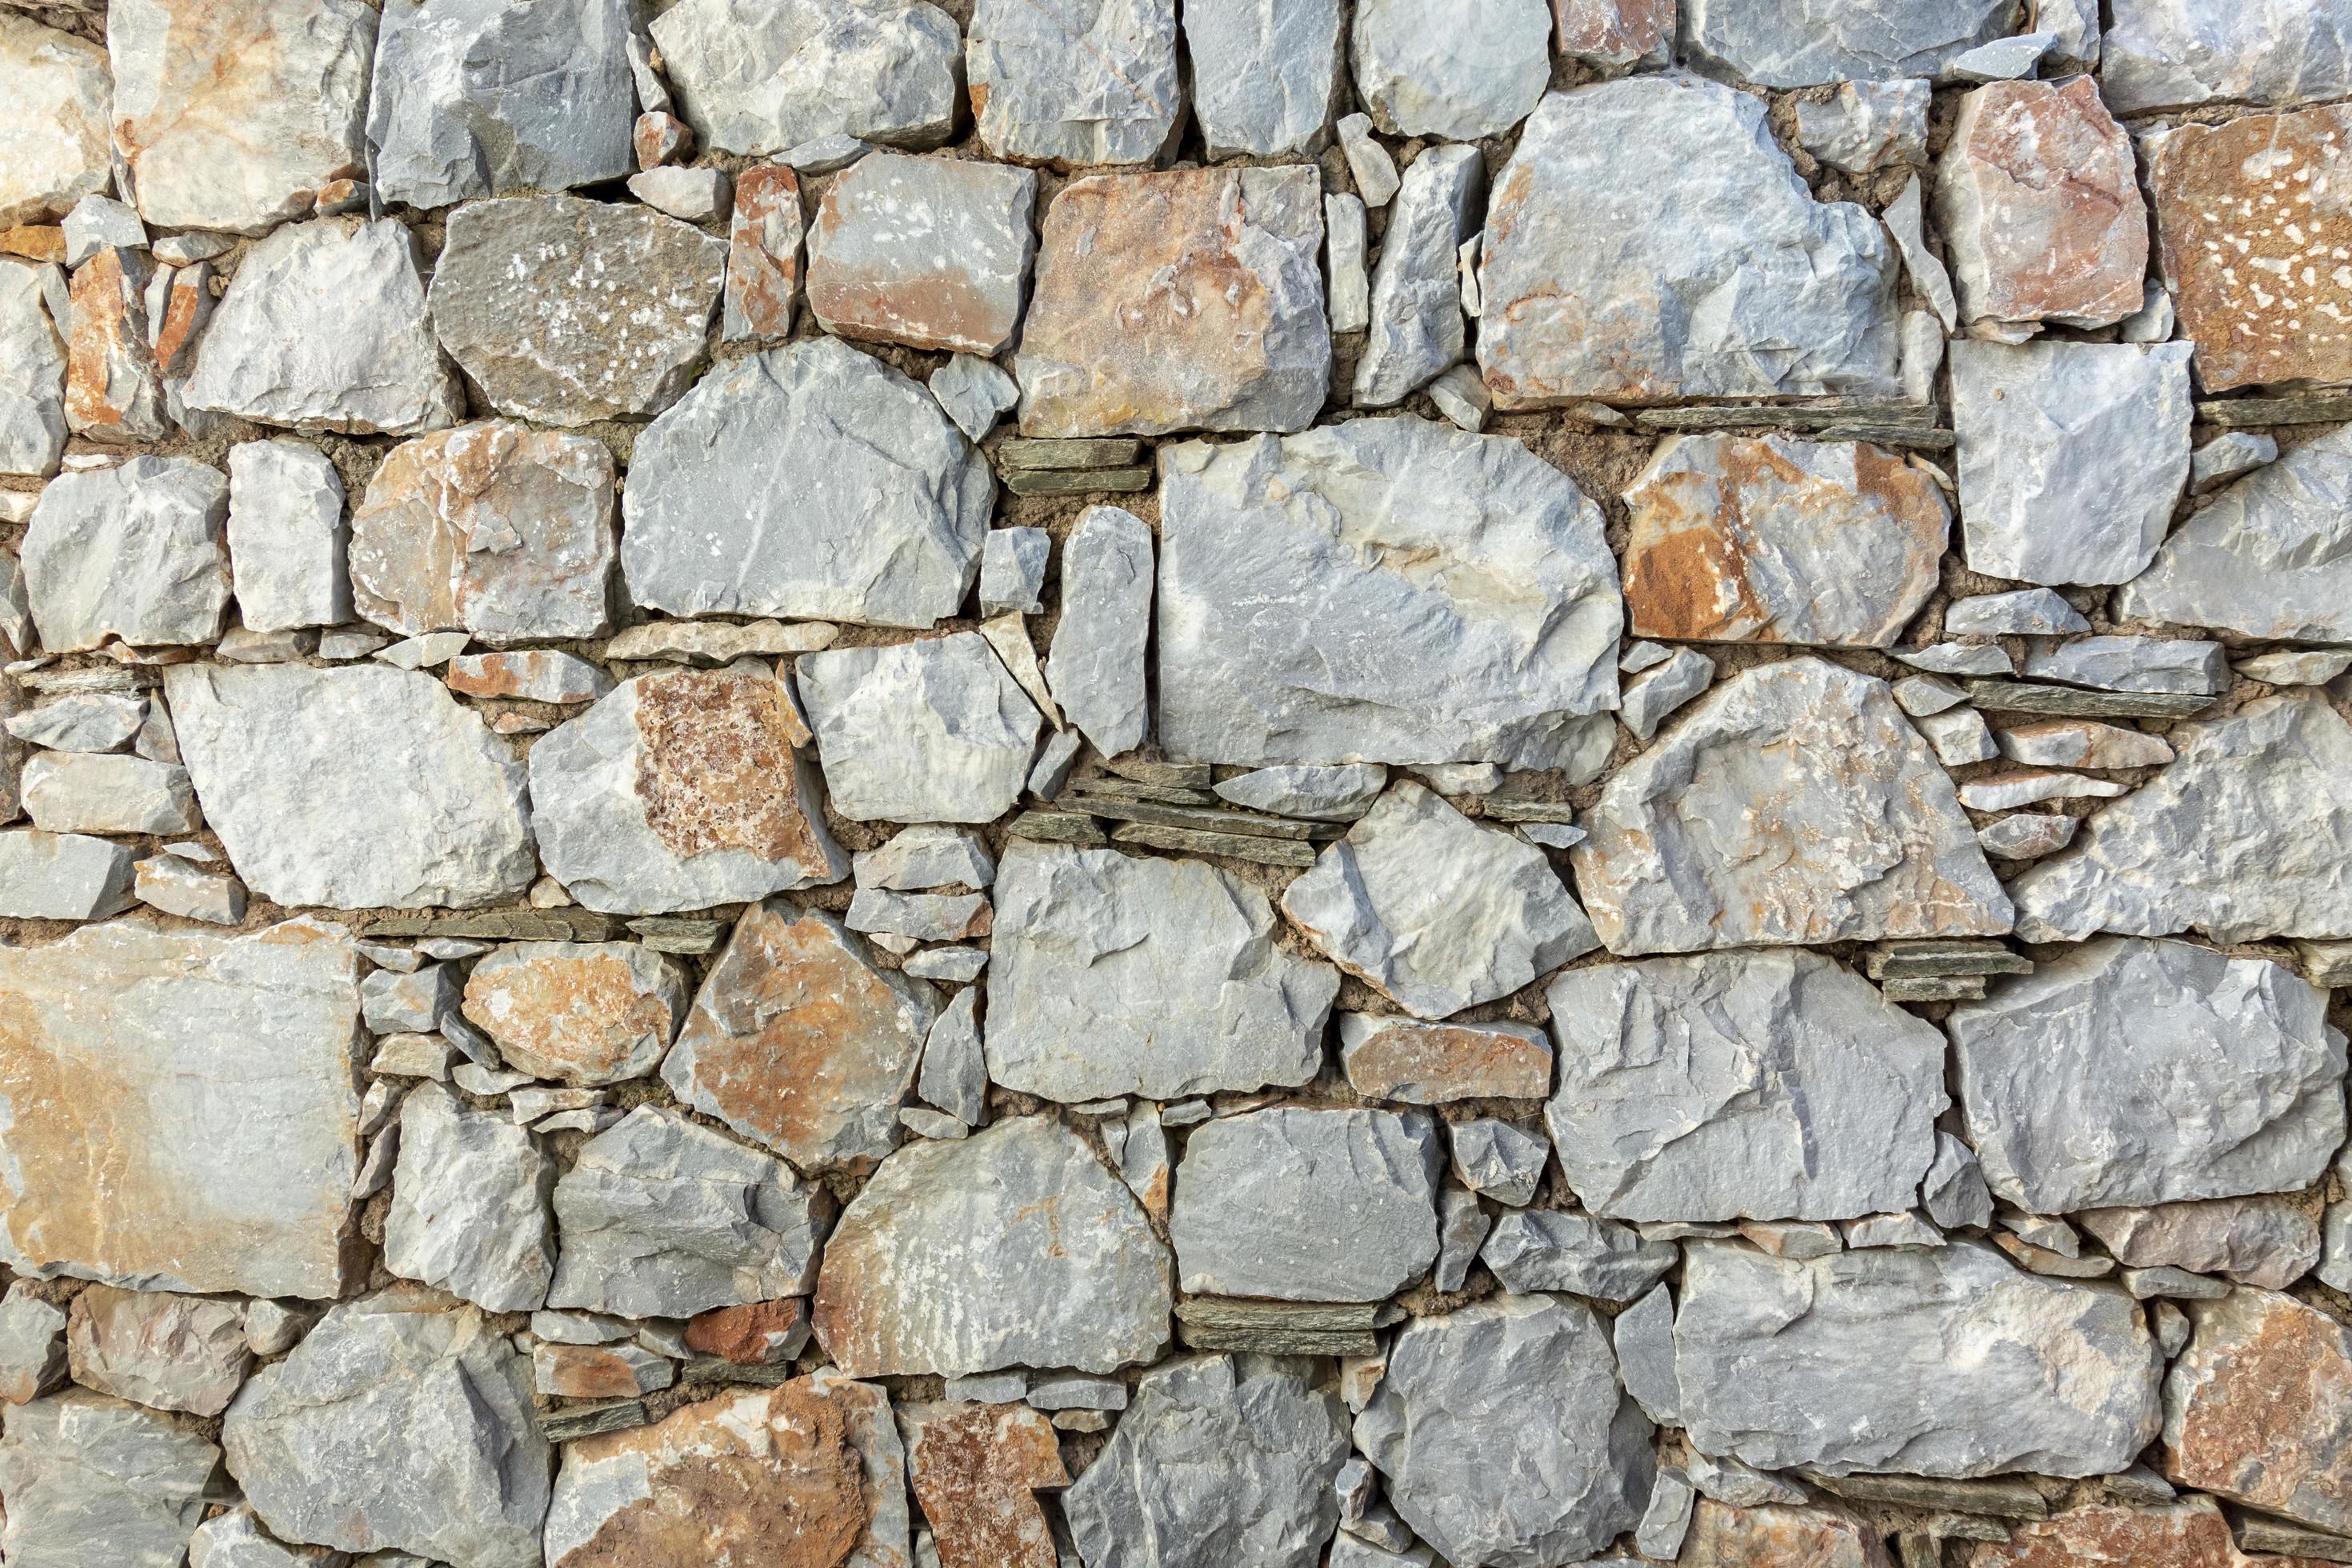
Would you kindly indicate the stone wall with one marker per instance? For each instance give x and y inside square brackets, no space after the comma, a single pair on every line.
[846,785]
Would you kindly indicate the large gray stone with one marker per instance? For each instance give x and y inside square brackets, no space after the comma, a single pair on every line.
[469,1204]
[1011,1247]
[1777,43]
[1266,78]
[402,1420]
[808,481]
[936,731]
[1792,804]
[1649,241]
[1504,1437]
[1096,667]
[1434,911]
[356,788]
[754,76]
[1531,1250]
[94,1482]
[55,102]
[1847,1363]
[1216,1461]
[484,98]
[1085,82]
[287,537]
[32,360]
[1114,974]
[1459,71]
[1308,1206]
[2177,54]
[323,328]
[1416,288]
[131,551]
[2128,1071]
[1382,590]
[2240,837]
[1761,1085]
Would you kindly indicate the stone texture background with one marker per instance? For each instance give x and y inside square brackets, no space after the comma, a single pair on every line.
[1253,784]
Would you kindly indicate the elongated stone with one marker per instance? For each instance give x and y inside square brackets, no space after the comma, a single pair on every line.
[287,540]
[1415,310]
[2266,1242]
[1530,1250]
[114,392]
[469,1204]
[1092,81]
[759,78]
[1815,41]
[930,252]
[63,875]
[58,100]
[32,363]
[2176,53]
[1429,1064]
[1096,667]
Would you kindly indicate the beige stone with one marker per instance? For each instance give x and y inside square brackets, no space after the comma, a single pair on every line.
[2266,1240]
[1722,1536]
[2191,1533]
[1428,1063]
[113,391]
[976,1468]
[2258,1409]
[578,1013]
[166,1351]
[763,253]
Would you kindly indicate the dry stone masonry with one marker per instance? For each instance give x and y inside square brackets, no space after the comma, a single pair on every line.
[1175,783]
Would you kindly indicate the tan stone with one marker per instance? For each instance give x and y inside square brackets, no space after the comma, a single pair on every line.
[763,252]
[590,1371]
[975,1468]
[1613,32]
[2038,196]
[1428,1063]
[2263,1240]
[2251,233]
[1722,1536]
[540,675]
[2191,1533]
[112,392]
[2081,743]
[2258,1409]
[33,241]
[495,528]
[578,1013]
[167,1351]
[930,252]
[749,1335]
[798,1039]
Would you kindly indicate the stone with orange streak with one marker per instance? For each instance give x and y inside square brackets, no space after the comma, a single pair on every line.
[1429,1064]
[2258,1409]
[1182,300]
[763,254]
[976,1469]
[167,1351]
[114,392]
[800,1040]
[535,674]
[1613,34]
[621,1371]
[1765,539]
[187,305]
[2189,1533]
[754,1334]
[578,1013]
[930,252]
[1722,1536]
[2038,198]
[2250,246]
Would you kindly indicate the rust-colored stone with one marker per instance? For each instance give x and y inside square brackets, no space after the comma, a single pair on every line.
[2191,1533]
[1722,1536]
[2253,230]
[975,1468]
[35,241]
[113,391]
[187,305]
[1617,31]
[660,137]
[749,1335]
[763,252]
[585,1371]
[2258,1409]
[1428,1063]
[930,252]
[578,1013]
[718,770]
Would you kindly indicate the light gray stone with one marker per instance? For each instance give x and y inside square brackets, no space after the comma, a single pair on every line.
[287,536]
[1496,1158]
[402,1420]
[2134,664]
[806,481]
[94,1482]
[485,98]
[1503,1435]
[2230,456]
[1308,1206]
[1013,569]
[1462,1227]
[1667,1518]
[1740,1486]
[2335,1246]
[955,1071]
[237,1540]
[1089,81]
[1642,1336]
[32,354]
[923,732]
[690,196]
[758,77]
[1815,41]
[1459,72]
[1368,163]
[1784,1363]
[177,887]
[1867,125]
[360,787]
[133,551]
[1434,911]
[32,1345]
[54,116]
[1649,241]
[1954,1190]
[928,857]
[81,722]
[1266,78]
[1960,737]
[85,792]
[2236,838]
[1340,793]
[975,392]
[323,328]
[469,1204]
[2028,612]
[1757,1085]
[1531,1250]
[1653,696]
[2176,53]
[167,1351]
[2138,1072]
[63,875]
[1415,304]
[1281,641]
[1904,219]
[2002,59]
[1218,1460]
[1096,667]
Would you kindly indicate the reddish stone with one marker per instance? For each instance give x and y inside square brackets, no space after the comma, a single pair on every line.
[187,305]
[589,1372]
[1722,1536]
[37,242]
[2191,1533]
[975,1469]
[1612,32]
[1429,1064]
[750,1335]
[930,252]
[2258,1409]
[763,253]
[661,138]
[112,392]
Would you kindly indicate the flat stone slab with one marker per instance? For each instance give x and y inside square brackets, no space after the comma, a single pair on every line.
[165,1351]
[758,77]
[1815,41]
[94,1480]
[1431,1064]
[2177,54]
[930,252]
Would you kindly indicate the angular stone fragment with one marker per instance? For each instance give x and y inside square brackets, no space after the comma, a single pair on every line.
[80,721]
[539,675]
[2027,612]
[578,1013]
[1266,78]
[402,1421]
[2083,743]
[469,1204]
[2128,1071]
[1499,1160]
[436,816]
[1306,1205]
[166,1351]
[763,254]
[2175,54]
[2258,1409]
[236,118]
[1552,1249]
[1095,667]
[54,115]
[285,536]
[32,364]
[1336,794]
[1089,81]
[1763,539]
[94,1480]
[976,393]
[1503,1435]
[32,1345]
[1815,41]
[1867,125]
[84,791]
[115,394]
[799,1041]
[1614,34]
[63,875]
[131,552]
[1429,1064]
[1415,305]
[324,328]
[975,1469]
[2266,1242]
[1161,977]
[663,1218]
[930,252]
[2064,1381]
[1270,570]
[763,78]
[1769,1534]
[2134,664]
[2236,838]
[1189,300]
[1793,803]
[568,311]
[807,481]
[481,97]
[1011,1248]
[936,731]
[1748,289]
[1461,73]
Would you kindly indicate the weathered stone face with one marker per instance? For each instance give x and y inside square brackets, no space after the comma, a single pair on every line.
[1723,1536]
[975,1468]
[1612,32]
[1265,78]
[922,732]
[763,254]
[755,76]
[132,553]
[2189,1533]
[1186,300]
[167,1351]
[2262,1241]
[469,1204]
[2248,247]
[2258,1409]
[1816,41]
[1090,81]
[578,1013]
[32,371]
[2174,54]
[116,1171]
[1429,1064]
[114,392]
[930,252]
[94,1480]
[56,98]
[1474,73]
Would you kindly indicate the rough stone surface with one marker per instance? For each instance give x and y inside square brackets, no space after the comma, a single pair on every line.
[578,1013]
[1587,294]
[2262,1241]
[94,1480]
[1431,1064]
[287,540]
[1867,125]
[1815,41]
[469,1204]
[1765,1534]
[2175,54]
[763,254]
[166,1351]
[131,551]
[2256,1408]
[758,77]
[1553,1249]
[63,875]
[1266,78]
[2188,1533]
[83,792]
[1096,667]
[1415,304]
[1082,81]
[33,365]
[930,252]
[924,732]
[58,101]
[1461,73]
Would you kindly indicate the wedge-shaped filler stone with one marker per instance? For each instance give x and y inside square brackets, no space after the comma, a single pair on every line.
[1792,804]
[681,789]
[1650,241]
[362,787]
[1382,590]
[936,731]
[199,1132]
[1116,974]
[1011,1247]
[2130,1072]
[755,76]
[1434,911]
[811,482]
[1845,1363]
[1751,1085]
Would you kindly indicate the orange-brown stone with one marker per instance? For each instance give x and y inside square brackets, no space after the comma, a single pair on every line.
[2258,1409]
[187,305]
[586,1371]
[1722,1536]
[763,252]
[1428,1063]
[718,770]
[2252,232]
[113,391]
[578,1013]
[930,252]
[1612,32]
[35,241]
[749,1335]
[2191,1533]
[975,1470]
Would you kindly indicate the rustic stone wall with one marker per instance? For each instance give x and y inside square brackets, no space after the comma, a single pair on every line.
[1255,785]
